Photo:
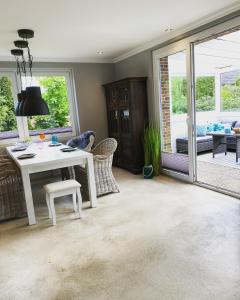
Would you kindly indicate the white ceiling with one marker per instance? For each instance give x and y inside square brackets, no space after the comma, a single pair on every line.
[74,30]
[217,55]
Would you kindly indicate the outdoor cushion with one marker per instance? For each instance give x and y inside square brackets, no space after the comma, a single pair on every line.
[218,127]
[237,124]
[201,130]
[200,139]
[232,123]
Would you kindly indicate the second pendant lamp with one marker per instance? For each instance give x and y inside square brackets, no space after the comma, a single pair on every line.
[33,104]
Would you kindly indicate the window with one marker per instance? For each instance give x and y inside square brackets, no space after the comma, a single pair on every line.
[57,90]
[205,94]
[8,122]
[54,92]
[230,91]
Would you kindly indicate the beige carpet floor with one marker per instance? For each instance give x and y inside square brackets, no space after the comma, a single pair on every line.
[220,176]
[158,239]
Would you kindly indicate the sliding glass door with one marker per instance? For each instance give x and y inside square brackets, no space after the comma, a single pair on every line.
[174,111]
[217,90]
[197,105]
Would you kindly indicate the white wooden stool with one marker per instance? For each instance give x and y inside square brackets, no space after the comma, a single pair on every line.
[63,188]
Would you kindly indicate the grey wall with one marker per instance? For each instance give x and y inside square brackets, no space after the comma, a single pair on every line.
[89,78]
[137,66]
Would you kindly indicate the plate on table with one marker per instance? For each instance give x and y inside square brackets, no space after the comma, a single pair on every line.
[27,155]
[20,148]
[68,149]
[55,145]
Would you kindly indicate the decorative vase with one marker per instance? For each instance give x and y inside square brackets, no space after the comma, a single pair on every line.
[148,172]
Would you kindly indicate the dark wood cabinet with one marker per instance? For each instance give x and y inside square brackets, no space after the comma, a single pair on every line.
[127,115]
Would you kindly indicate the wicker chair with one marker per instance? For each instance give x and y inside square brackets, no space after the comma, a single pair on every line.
[102,157]
[12,203]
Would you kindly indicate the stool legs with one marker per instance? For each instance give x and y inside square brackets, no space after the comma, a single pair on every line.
[79,202]
[74,201]
[51,204]
[48,205]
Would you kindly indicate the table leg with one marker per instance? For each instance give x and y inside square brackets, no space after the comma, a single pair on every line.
[219,144]
[91,181]
[237,148]
[28,197]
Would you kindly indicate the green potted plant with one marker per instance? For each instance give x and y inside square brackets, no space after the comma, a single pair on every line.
[152,151]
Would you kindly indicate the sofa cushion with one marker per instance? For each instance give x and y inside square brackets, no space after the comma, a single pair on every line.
[232,123]
[237,124]
[201,130]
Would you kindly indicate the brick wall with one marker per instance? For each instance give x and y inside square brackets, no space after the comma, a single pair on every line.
[165,100]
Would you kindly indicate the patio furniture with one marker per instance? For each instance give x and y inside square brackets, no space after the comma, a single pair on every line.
[204,143]
[63,188]
[50,158]
[220,143]
[11,191]
[102,157]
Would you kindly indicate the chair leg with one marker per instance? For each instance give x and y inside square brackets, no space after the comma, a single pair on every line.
[48,205]
[74,196]
[79,202]
[51,204]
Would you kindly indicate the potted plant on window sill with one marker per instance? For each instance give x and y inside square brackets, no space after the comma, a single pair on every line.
[152,151]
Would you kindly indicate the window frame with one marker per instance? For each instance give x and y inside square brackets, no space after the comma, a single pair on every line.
[22,125]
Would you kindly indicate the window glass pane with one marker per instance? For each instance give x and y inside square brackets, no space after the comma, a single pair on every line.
[230,91]
[174,110]
[54,92]
[205,92]
[8,124]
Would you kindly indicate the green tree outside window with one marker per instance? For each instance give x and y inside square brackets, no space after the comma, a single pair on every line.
[205,94]
[7,116]
[54,92]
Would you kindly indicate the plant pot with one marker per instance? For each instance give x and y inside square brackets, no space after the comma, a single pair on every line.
[148,172]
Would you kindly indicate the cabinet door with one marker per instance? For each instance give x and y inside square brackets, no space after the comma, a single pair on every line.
[127,155]
[125,121]
[113,95]
[113,122]
[123,94]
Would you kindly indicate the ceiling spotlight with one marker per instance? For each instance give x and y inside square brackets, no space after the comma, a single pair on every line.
[100,52]
[169,29]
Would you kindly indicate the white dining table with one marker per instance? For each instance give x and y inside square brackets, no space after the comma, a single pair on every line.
[50,158]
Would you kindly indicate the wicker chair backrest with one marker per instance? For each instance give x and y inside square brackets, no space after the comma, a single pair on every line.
[106,147]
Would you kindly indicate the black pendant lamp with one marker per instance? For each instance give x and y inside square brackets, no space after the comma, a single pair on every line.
[30,101]
[34,105]
[19,109]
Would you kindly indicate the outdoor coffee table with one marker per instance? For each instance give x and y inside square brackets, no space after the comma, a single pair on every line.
[220,143]
[50,158]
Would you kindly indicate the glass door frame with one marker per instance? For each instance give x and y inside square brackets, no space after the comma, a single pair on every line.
[186,44]
[157,55]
